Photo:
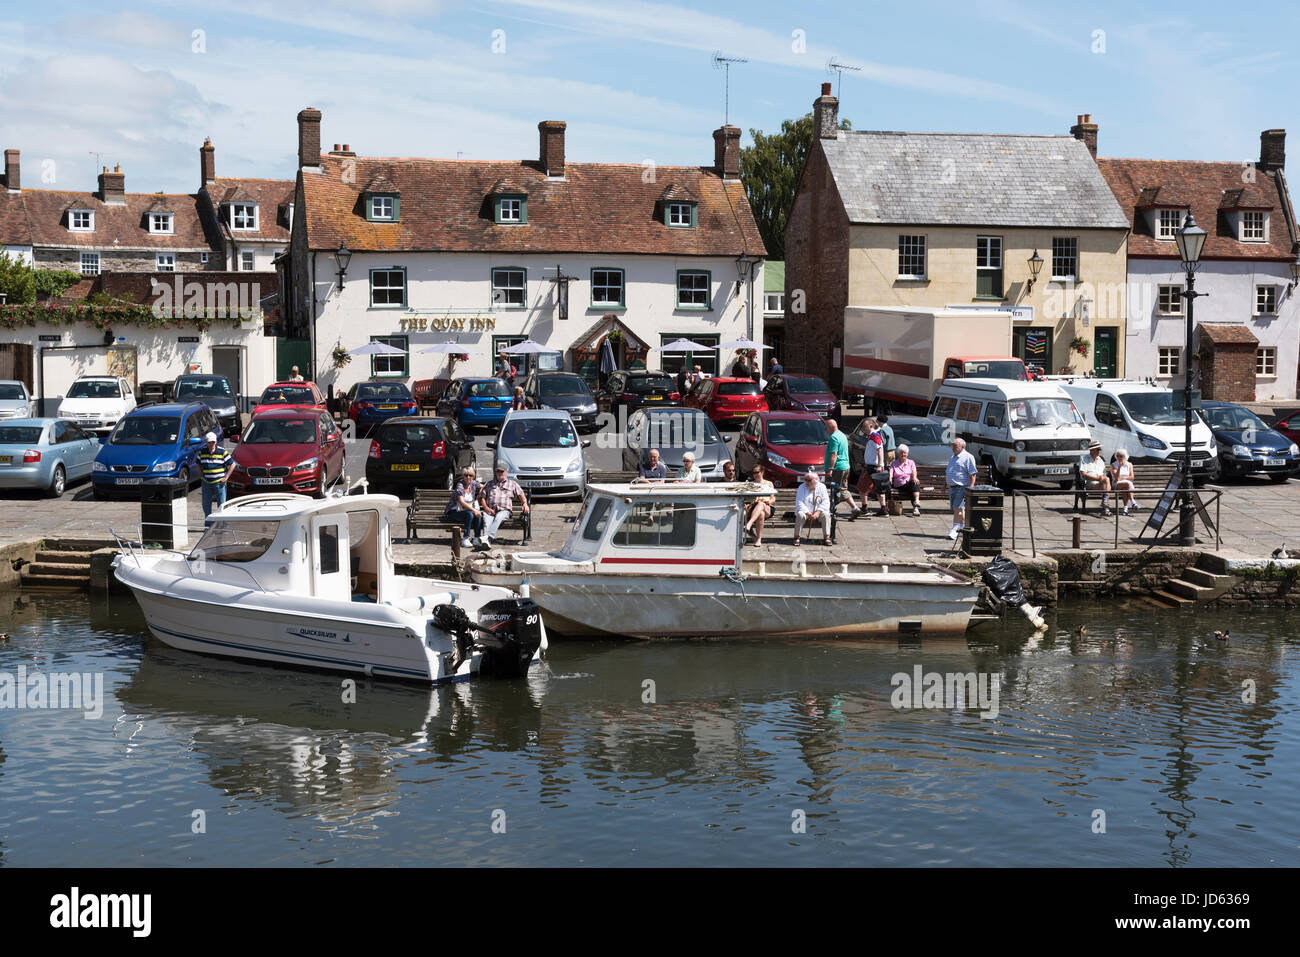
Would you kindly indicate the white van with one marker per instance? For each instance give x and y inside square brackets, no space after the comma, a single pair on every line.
[1144,419]
[1026,430]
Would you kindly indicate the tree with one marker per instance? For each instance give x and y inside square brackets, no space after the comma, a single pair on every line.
[770,170]
[16,280]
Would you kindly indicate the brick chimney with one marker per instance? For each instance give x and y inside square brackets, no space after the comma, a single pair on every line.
[826,115]
[552,147]
[112,186]
[1272,150]
[1086,131]
[726,151]
[309,137]
[12,181]
[207,163]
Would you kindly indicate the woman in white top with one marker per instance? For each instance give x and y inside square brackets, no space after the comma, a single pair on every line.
[690,471]
[1121,474]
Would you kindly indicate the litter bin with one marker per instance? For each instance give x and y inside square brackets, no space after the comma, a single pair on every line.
[164,518]
[983,534]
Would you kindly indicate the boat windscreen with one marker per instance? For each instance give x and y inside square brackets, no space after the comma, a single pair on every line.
[235,541]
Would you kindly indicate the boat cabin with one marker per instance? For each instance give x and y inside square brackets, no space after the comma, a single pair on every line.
[334,548]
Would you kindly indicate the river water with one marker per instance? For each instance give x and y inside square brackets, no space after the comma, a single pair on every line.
[1128,745]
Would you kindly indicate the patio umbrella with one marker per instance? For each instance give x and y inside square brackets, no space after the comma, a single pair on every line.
[607,363]
[741,344]
[685,345]
[450,348]
[527,347]
[376,349]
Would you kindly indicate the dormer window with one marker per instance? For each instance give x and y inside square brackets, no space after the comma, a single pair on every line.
[1168,222]
[382,207]
[81,220]
[681,215]
[160,223]
[511,210]
[1253,227]
[243,216]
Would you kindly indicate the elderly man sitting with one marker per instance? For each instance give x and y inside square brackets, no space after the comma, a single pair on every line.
[652,470]
[812,503]
[1096,474]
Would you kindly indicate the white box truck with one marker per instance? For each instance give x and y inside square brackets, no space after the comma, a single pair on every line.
[896,357]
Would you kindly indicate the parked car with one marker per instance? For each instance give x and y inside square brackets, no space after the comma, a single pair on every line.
[564,391]
[790,392]
[97,402]
[45,454]
[213,391]
[636,390]
[1247,445]
[153,445]
[299,395]
[727,401]
[476,402]
[674,431]
[1286,423]
[15,400]
[369,403]
[289,450]
[786,444]
[418,451]
[923,438]
[153,391]
[542,452]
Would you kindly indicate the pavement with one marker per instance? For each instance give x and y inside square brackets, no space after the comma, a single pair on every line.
[1255,516]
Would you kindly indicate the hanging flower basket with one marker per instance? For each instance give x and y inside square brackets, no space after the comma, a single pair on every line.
[1079,345]
[340,356]
[615,336]
[460,357]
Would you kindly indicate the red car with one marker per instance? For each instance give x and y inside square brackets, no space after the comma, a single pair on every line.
[726,401]
[1287,423]
[289,450]
[300,395]
[785,444]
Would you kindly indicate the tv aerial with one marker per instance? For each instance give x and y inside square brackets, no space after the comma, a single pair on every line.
[724,63]
[834,66]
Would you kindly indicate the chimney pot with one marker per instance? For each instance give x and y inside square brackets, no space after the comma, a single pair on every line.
[1272,150]
[726,151]
[309,137]
[336,148]
[347,148]
[826,115]
[551,135]
[12,179]
[826,89]
[112,186]
[1085,130]
[207,162]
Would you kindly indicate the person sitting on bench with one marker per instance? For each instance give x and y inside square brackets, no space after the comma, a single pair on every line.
[1122,476]
[1096,475]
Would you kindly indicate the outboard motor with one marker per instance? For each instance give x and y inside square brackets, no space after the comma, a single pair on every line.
[453,620]
[1003,579]
[509,634]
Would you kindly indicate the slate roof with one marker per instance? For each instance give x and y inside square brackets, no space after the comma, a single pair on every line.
[1203,188]
[15,230]
[122,225]
[1231,334]
[270,195]
[970,179]
[597,208]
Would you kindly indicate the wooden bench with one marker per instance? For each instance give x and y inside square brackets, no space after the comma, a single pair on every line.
[427,392]
[933,480]
[428,510]
[609,477]
[1149,477]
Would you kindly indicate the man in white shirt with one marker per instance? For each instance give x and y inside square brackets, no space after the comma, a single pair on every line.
[812,504]
[1096,474]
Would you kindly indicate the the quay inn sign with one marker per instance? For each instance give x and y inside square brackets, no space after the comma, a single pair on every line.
[447,323]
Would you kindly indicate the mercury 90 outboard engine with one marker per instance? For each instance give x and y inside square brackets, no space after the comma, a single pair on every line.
[509,634]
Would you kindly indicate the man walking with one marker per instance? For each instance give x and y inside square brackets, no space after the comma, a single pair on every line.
[497,499]
[215,465]
[812,505]
[887,434]
[960,474]
[836,463]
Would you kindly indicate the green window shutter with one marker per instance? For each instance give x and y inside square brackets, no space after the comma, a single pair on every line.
[523,209]
[397,208]
[694,215]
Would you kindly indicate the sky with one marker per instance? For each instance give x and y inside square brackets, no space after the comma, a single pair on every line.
[142,84]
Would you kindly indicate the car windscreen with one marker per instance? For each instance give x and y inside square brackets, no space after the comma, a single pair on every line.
[538,434]
[644,384]
[678,430]
[562,385]
[806,385]
[287,395]
[489,389]
[1154,408]
[20,434]
[795,432]
[738,388]
[94,390]
[917,433]
[11,390]
[1229,419]
[281,432]
[983,369]
[147,430]
[392,391]
[1034,413]
[410,434]
[215,387]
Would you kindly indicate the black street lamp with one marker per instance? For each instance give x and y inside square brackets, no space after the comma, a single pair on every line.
[1295,272]
[1191,240]
[342,256]
[1035,264]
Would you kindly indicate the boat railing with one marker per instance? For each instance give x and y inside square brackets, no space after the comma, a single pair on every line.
[137,548]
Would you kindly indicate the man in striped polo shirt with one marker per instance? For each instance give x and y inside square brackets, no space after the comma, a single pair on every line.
[216,464]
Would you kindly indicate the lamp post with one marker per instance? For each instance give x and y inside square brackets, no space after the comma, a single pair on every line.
[342,256]
[1191,240]
[1035,264]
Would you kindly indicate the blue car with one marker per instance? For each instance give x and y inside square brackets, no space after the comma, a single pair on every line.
[1247,446]
[369,403]
[153,445]
[45,454]
[472,402]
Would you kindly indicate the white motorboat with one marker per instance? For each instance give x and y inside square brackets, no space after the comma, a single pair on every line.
[289,579]
[665,561]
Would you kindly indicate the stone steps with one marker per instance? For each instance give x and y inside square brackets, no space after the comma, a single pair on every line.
[56,568]
[1165,599]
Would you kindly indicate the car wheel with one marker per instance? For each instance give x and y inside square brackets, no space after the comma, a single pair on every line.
[184,478]
[100,494]
[1279,478]
[60,481]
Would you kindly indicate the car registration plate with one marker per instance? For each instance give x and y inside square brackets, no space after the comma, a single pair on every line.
[88,422]
[267,481]
[1057,470]
[541,483]
[654,398]
[387,407]
[129,481]
[404,467]
[1277,462]
[6,459]
[491,405]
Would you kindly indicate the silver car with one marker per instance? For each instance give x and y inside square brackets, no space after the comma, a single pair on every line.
[15,400]
[541,451]
[44,454]
[674,432]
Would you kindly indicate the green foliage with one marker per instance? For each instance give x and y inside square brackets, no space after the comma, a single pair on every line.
[16,280]
[104,316]
[53,282]
[770,171]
